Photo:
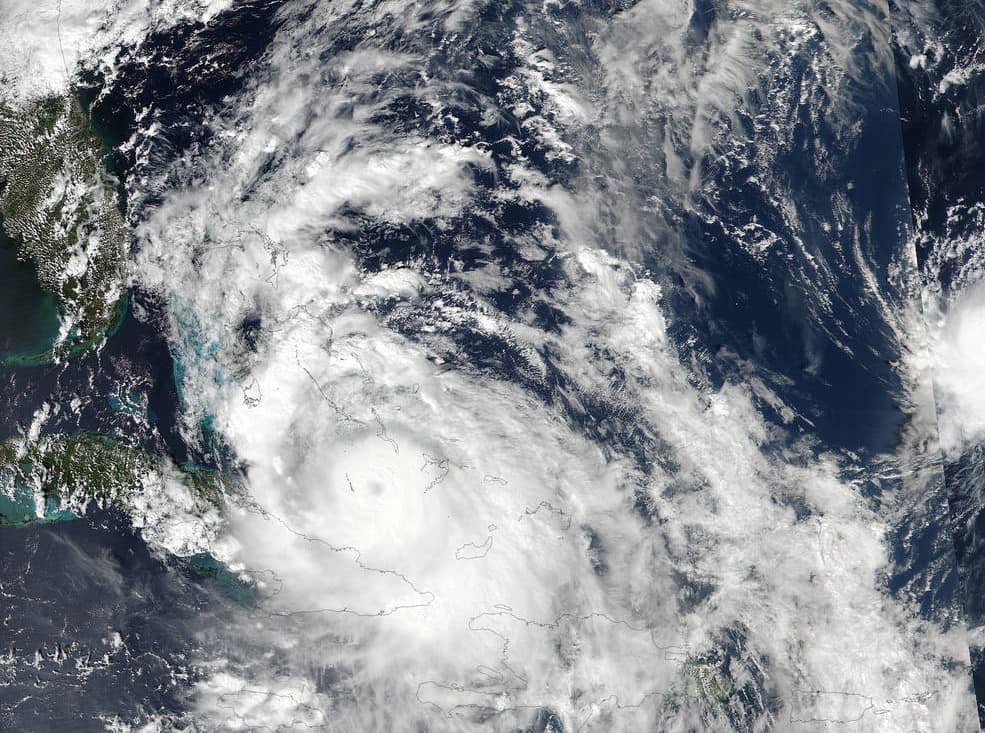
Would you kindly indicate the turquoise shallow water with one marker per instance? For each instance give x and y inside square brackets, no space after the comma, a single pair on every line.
[18,507]
[29,320]
[228,583]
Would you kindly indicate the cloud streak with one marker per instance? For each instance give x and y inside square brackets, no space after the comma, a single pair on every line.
[485,483]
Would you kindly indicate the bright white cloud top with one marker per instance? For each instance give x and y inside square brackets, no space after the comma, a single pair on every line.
[584,521]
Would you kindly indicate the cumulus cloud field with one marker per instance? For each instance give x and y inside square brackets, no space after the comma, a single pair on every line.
[488,474]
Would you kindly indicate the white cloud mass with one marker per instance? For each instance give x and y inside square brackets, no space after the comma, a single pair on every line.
[440,547]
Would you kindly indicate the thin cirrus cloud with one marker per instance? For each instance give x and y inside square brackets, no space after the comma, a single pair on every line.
[439,545]
[453,539]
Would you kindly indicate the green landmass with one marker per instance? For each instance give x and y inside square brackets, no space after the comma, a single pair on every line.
[53,479]
[713,687]
[60,208]
[56,472]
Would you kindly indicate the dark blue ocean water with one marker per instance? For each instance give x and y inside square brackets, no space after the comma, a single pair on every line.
[30,319]
[944,138]
[95,626]
[70,587]
[78,582]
